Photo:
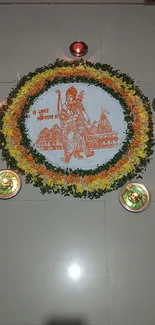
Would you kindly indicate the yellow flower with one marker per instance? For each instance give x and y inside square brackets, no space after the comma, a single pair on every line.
[79,188]
[50,182]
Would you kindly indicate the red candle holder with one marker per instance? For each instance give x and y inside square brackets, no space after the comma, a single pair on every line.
[78,48]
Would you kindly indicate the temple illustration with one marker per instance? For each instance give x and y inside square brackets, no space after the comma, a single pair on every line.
[98,136]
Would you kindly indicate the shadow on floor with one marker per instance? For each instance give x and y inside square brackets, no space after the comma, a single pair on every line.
[65,321]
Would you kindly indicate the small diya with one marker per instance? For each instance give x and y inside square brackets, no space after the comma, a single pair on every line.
[10,184]
[134,197]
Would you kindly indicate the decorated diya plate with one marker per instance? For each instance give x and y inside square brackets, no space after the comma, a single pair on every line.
[10,184]
[134,197]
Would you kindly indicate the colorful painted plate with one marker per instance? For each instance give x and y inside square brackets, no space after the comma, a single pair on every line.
[10,184]
[134,197]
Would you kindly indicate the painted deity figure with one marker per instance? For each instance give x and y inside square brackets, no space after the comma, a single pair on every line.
[75,124]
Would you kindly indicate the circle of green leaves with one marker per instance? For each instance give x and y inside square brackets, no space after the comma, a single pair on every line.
[40,159]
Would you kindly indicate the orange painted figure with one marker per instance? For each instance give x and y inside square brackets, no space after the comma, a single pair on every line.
[76,135]
[75,125]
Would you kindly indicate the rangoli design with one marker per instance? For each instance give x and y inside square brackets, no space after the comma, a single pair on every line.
[77,128]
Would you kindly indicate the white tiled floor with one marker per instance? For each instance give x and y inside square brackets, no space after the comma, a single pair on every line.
[39,241]
[131,260]
[40,236]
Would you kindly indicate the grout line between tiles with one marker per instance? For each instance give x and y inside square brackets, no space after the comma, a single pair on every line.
[8,82]
[107,261]
[44,200]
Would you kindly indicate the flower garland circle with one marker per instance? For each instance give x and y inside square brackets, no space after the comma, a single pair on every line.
[129,162]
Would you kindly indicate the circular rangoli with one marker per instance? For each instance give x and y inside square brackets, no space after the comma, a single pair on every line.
[77,128]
